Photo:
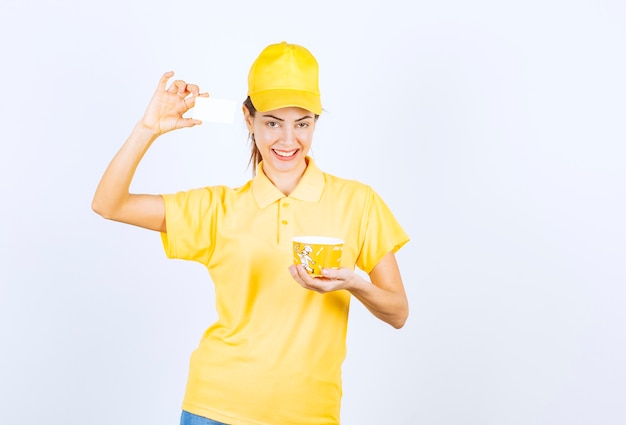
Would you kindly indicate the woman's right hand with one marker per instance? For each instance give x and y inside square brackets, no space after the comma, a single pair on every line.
[167,106]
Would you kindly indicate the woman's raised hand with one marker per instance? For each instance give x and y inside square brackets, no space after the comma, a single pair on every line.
[168,104]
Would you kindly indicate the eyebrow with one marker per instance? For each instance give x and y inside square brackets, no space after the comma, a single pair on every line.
[280,119]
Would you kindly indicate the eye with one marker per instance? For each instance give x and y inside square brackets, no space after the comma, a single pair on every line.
[272,124]
[303,124]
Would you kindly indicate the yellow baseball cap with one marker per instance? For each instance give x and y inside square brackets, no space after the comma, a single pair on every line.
[284,75]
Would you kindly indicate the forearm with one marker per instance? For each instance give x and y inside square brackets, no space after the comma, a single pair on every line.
[389,306]
[113,189]
[384,297]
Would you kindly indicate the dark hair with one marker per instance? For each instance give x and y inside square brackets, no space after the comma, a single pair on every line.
[255,154]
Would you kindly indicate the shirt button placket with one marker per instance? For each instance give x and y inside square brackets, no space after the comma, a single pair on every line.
[285,218]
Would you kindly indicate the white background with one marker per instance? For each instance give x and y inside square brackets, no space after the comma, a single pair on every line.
[495,130]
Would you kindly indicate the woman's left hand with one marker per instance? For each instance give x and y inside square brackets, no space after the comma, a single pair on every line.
[331,279]
[384,296]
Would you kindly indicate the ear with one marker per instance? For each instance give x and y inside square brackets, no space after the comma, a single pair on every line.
[248,118]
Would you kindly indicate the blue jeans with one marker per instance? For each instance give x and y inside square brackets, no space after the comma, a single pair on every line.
[190,419]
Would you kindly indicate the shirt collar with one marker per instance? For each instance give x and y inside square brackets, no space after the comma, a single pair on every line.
[309,188]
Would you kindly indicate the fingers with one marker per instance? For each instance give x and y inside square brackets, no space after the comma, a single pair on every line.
[299,274]
[182,89]
[339,274]
[190,101]
[163,80]
[293,270]
[187,122]
[307,281]
[193,89]
[168,105]
[331,279]
[177,86]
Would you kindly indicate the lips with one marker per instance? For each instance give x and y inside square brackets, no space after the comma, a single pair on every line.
[285,154]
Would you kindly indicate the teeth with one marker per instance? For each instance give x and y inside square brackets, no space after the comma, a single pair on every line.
[285,153]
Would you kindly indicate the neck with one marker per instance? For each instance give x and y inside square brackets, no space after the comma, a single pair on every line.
[286,181]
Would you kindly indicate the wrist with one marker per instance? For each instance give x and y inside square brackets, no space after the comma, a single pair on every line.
[356,283]
[146,132]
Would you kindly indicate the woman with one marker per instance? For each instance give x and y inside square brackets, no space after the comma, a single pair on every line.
[274,355]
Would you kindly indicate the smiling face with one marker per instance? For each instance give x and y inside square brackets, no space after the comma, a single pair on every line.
[283,137]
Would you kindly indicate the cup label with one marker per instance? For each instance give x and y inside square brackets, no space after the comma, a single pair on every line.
[315,257]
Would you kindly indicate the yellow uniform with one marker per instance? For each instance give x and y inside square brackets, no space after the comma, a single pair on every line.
[274,355]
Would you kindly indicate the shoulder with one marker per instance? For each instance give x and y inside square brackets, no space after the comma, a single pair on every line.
[207,195]
[339,183]
[354,194]
[343,188]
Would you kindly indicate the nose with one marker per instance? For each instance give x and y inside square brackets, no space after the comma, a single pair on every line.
[289,135]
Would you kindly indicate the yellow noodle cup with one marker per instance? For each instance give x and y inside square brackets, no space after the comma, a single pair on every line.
[317,252]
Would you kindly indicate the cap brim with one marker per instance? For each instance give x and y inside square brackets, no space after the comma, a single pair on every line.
[281,98]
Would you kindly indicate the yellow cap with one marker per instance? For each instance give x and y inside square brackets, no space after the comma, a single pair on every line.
[284,75]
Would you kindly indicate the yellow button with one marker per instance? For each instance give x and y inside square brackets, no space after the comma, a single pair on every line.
[285,222]
[286,204]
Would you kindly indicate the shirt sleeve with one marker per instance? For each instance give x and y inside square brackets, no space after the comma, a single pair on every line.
[381,232]
[190,222]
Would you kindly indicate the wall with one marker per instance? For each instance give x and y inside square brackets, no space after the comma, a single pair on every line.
[494,130]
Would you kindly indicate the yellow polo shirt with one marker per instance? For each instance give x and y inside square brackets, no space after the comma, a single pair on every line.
[274,355]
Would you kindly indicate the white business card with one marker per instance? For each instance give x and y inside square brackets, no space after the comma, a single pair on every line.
[208,109]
